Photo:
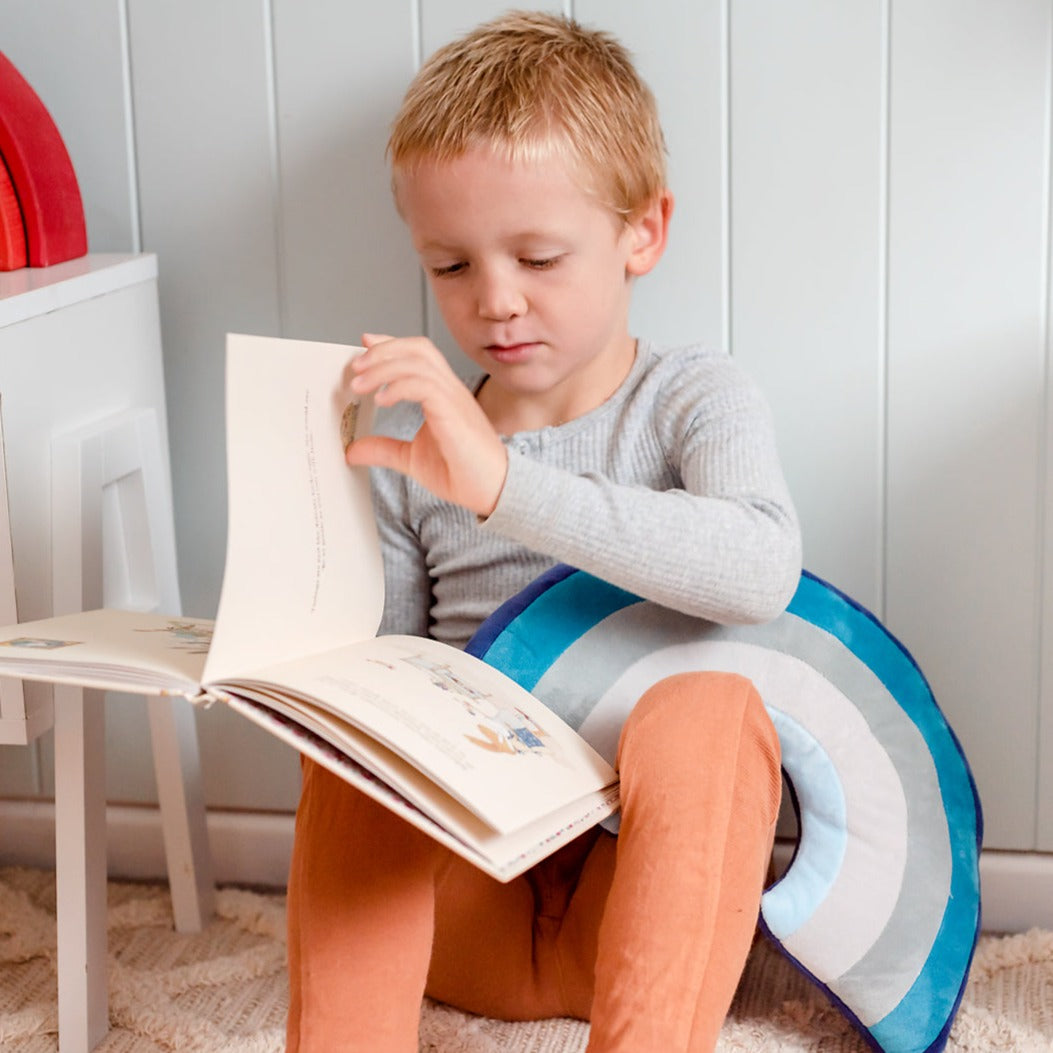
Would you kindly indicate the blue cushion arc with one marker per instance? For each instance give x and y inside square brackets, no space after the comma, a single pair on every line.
[880,905]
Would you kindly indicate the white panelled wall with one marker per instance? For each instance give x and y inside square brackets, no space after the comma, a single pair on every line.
[863,218]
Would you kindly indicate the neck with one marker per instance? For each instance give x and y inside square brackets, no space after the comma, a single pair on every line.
[514,411]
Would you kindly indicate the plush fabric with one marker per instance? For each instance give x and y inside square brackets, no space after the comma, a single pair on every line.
[880,905]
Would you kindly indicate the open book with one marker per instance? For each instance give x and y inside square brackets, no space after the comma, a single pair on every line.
[438,736]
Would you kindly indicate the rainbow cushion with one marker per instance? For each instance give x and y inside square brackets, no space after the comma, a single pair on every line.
[880,905]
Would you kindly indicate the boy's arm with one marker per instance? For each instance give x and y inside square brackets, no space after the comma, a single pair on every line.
[730,560]
[723,544]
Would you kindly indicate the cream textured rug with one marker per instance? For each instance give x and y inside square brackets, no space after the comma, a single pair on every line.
[224,989]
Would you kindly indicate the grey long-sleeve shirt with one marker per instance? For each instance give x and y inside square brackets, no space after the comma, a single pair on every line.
[671,489]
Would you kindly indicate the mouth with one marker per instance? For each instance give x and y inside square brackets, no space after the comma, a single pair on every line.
[510,353]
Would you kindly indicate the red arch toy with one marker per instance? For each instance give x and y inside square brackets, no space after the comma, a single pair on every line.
[42,176]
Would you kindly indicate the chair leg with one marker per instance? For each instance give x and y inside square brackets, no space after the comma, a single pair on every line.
[173,732]
[80,868]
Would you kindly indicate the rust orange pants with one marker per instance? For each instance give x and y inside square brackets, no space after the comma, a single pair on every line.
[644,934]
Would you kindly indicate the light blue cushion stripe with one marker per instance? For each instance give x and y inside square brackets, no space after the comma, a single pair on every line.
[789,903]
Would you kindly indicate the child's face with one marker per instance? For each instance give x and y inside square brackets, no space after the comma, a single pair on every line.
[533,279]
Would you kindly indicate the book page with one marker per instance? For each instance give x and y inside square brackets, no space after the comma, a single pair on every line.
[486,741]
[114,650]
[503,856]
[303,571]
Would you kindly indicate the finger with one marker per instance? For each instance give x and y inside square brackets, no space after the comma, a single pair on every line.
[409,355]
[369,342]
[372,339]
[442,406]
[378,451]
[379,345]
[409,378]
[398,346]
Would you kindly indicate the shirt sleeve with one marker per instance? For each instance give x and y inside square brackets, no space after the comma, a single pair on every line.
[723,545]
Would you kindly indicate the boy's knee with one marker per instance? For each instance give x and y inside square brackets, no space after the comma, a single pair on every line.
[704,707]
[698,697]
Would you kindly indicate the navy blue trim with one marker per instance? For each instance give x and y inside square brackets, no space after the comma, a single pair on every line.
[483,638]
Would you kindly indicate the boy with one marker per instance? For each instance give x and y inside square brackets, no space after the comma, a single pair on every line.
[528,165]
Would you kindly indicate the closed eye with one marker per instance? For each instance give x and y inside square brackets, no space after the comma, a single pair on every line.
[448,271]
[541,265]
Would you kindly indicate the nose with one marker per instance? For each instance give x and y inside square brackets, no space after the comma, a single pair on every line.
[498,296]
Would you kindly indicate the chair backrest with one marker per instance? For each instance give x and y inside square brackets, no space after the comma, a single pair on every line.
[880,904]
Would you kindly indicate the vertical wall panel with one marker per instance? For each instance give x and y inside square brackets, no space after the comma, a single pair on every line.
[1044,824]
[201,76]
[348,265]
[682,57]
[72,53]
[967,261]
[20,771]
[1044,775]
[807,237]
[203,111]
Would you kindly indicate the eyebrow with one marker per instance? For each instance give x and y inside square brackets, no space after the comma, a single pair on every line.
[549,238]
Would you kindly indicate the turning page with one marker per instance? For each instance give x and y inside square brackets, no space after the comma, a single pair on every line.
[304,571]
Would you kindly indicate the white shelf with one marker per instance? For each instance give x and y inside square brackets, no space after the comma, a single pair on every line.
[33,291]
[81,374]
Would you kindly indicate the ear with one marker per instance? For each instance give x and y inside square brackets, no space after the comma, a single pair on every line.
[649,233]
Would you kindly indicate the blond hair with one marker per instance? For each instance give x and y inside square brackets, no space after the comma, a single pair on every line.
[530,86]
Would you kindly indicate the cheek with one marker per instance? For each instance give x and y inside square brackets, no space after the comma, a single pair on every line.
[451,301]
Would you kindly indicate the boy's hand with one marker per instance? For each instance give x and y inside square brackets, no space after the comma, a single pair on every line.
[456,454]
